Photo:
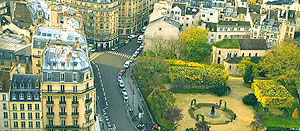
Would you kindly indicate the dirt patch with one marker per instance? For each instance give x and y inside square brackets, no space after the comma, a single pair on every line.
[244,113]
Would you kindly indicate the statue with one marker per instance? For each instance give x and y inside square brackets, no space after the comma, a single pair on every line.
[212,111]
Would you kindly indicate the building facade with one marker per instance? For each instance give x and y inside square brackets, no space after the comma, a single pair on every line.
[3,7]
[68,92]
[25,103]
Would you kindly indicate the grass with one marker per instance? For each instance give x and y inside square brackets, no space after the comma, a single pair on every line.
[276,121]
[227,43]
[192,91]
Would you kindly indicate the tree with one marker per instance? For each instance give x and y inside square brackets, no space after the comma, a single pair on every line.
[256,125]
[246,68]
[196,35]
[252,2]
[282,64]
[198,51]
[173,114]
[250,99]
[160,100]
[202,126]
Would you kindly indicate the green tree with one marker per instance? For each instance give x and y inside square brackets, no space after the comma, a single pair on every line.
[160,100]
[198,51]
[246,68]
[194,36]
[249,75]
[282,64]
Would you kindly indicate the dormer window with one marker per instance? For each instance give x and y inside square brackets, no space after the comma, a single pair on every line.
[29,96]
[62,64]
[21,95]
[36,96]
[22,85]
[14,85]
[29,86]
[14,96]
[62,76]
[17,58]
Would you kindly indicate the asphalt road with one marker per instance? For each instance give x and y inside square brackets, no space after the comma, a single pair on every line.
[106,68]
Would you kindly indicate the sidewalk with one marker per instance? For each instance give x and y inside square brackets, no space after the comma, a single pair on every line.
[136,102]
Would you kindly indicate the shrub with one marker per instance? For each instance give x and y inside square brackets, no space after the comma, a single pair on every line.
[277,129]
[270,93]
[221,90]
[250,99]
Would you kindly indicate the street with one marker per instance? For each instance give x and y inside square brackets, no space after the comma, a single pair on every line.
[109,100]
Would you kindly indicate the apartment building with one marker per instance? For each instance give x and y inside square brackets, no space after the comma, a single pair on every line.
[4,99]
[3,7]
[228,30]
[68,92]
[25,103]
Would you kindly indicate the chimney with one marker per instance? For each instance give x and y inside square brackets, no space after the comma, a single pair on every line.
[69,55]
[58,41]
[76,45]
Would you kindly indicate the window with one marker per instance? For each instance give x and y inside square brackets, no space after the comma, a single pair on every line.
[63,109]
[37,107]
[22,116]
[159,29]
[5,115]
[49,88]
[30,124]
[14,107]
[243,55]
[50,109]
[230,67]
[50,121]
[220,37]
[37,124]
[4,97]
[4,106]
[255,54]
[37,116]
[63,122]
[249,54]
[29,96]
[74,98]
[74,76]
[75,122]
[219,52]
[75,109]
[225,36]
[22,107]
[16,124]
[30,116]
[29,106]
[21,96]
[74,88]
[62,88]
[87,86]
[15,116]
[49,76]
[39,53]
[62,76]
[23,124]
[62,98]
[6,124]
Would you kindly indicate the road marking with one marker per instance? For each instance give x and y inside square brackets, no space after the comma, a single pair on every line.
[101,80]
[102,85]
[105,98]
[103,89]
[106,103]
[104,94]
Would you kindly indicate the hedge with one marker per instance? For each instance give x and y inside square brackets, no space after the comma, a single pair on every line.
[272,94]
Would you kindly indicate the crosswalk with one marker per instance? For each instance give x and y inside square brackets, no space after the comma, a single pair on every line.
[118,54]
[95,55]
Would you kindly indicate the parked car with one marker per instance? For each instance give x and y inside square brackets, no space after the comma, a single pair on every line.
[123,91]
[140,39]
[144,29]
[119,78]
[125,96]
[113,49]
[127,63]
[131,60]
[122,84]
[91,49]
[134,55]
[121,73]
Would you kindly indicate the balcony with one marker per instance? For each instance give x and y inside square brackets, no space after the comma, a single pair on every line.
[62,102]
[50,114]
[49,102]
[88,112]
[75,113]
[75,103]
[87,101]
[63,114]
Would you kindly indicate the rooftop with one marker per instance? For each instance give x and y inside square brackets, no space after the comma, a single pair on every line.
[191,10]
[25,87]
[10,42]
[227,43]
[241,10]
[234,23]
[280,2]
[65,58]
[22,16]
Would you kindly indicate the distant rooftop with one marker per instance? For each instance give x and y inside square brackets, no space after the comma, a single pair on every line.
[227,43]
[234,23]
[280,2]
[242,44]
[65,58]
[4,81]
[22,16]
[9,42]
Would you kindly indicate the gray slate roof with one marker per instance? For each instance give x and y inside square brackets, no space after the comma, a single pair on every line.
[253,44]
[25,87]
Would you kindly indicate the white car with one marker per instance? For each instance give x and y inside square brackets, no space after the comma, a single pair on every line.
[144,29]
[91,49]
[126,65]
[131,36]
[123,91]
[134,55]
[125,96]
[131,60]
[122,84]
[119,78]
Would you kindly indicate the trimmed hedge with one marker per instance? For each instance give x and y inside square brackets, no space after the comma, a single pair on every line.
[277,129]
[250,99]
[220,91]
